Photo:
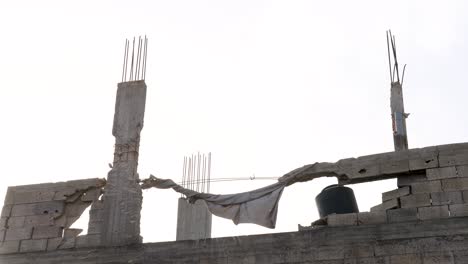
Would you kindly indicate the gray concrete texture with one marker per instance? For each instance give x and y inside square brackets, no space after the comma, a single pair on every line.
[123,196]
[400,137]
[34,214]
[193,220]
[433,241]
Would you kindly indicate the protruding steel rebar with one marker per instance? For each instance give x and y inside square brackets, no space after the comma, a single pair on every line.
[196,173]
[137,69]
[144,58]
[209,172]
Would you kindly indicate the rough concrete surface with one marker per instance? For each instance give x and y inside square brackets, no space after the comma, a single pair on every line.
[432,241]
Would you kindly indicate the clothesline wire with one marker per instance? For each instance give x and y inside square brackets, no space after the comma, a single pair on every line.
[231,179]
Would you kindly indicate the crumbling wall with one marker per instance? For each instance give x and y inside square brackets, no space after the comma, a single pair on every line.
[38,217]
[123,197]
[431,185]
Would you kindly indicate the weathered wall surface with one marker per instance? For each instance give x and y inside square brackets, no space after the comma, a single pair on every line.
[424,220]
[193,220]
[440,191]
[38,217]
[415,242]
[122,196]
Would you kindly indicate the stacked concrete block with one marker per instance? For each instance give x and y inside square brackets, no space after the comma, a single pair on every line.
[434,185]
[437,241]
[342,219]
[35,217]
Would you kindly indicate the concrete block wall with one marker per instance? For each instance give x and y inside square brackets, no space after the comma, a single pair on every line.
[439,241]
[38,217]
[435,193]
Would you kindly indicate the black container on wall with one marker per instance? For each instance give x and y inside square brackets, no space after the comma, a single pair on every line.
[336,199]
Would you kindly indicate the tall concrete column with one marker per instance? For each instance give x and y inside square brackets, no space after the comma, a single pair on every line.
[122,194]
[400,138]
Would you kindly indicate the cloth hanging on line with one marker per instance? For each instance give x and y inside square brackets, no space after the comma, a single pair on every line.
[257,207]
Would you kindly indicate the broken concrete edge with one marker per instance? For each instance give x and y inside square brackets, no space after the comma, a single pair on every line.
[39,216]
[418,199]
[60,190]
[383,165]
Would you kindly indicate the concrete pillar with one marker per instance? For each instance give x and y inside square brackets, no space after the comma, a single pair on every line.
[400,138]
[193,220]
[122,194]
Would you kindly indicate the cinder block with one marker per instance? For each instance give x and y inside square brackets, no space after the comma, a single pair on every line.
[433,212]
[406,259]
[330,252]
[426,187]
[6,210]
[8,247]
[33,245]
[395,193]
[457,184]
[53,243]
[16,222]
[54,207]
[342,219]
[364,168]
[72,232]
[415,200]
[389,247]
[402,215]
[60,243]
[39,220]
[3,223]
[438,257]
[457,210]
[358,251]
[462,171]
[390,204]
[68,243]
[420,159]
[465,196]
[398,164]
[441,173]
[9,196]
[33,196]
[410,179]
[441,198]
[452,158]
[18,233]
[371,218]
[47,232]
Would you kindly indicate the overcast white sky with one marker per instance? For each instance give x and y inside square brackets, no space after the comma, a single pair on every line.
[266,86]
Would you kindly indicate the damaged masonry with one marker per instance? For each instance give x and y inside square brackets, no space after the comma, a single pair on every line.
[424,220]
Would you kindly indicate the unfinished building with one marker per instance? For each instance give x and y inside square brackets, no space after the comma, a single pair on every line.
[424,220]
